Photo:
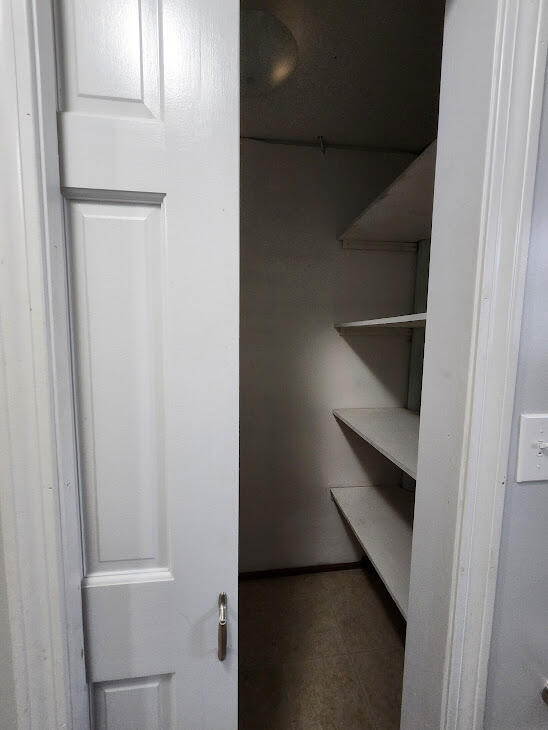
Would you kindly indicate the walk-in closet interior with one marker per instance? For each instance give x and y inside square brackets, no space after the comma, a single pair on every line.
[339,107]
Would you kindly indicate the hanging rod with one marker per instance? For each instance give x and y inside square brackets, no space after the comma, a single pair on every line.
[323,145]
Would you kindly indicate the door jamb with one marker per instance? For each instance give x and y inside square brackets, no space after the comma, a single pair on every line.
[514,147]
[456,549]
[39,506]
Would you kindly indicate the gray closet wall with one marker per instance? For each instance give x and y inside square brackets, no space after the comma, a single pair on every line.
[296,282]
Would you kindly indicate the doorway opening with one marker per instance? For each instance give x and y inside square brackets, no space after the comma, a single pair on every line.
[339,108]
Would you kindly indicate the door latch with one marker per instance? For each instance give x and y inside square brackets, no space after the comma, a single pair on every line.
[222,626]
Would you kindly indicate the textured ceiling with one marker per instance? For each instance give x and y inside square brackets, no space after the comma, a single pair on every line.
[368,74]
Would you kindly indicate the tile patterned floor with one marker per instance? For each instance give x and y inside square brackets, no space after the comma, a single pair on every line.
[319,651]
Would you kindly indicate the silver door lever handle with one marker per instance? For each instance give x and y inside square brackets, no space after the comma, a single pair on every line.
[222,627]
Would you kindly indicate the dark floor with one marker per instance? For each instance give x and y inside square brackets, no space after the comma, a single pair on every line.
[319,651]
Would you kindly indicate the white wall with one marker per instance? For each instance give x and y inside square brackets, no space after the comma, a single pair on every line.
[296,282]
[519,650]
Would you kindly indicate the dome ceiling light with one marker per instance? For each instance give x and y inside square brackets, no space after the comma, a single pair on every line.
[268,53]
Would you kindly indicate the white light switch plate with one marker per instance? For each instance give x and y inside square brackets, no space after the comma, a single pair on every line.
[532,455]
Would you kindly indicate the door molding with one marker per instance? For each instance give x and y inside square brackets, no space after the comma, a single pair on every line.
[457,559]
[508,207]
[39,505]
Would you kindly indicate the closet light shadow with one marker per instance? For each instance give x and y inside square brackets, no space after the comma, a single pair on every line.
[368,455]
[377,350]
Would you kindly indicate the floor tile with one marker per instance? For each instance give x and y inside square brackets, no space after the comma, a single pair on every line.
[381,676]
[319,651]
[327,693]
[262,703]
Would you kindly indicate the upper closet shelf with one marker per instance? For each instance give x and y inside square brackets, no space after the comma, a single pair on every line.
[392,431]
[402,214]
[405,320]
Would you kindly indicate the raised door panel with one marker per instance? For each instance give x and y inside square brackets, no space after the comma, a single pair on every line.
[111,51]
[111,94]
[116,253]
[140,704]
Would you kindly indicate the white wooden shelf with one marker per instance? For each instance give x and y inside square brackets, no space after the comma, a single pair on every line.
[402,213]
[392,431]
[404,321]
[381,518]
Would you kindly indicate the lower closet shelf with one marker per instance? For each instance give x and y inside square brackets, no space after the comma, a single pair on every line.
[382,520]
[404,321]
[392,431]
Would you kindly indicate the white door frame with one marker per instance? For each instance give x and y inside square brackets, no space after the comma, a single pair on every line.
[38,502]
[490,108]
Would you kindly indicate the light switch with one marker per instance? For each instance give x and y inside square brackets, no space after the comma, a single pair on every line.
[533,448]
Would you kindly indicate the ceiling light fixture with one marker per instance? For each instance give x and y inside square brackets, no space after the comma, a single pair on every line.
[268,53]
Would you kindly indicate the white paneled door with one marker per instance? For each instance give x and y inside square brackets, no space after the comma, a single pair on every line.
[148,128]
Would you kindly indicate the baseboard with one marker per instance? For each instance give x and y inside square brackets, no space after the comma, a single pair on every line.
[364,564]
